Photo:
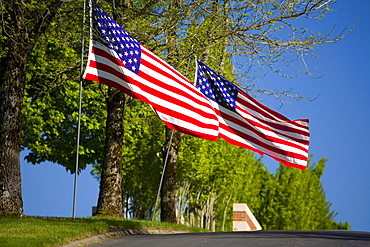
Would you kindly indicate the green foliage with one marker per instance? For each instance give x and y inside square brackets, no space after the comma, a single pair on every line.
[50,111]
[15,231]
[142,166]
[216,33]
[296,201]
[220,174]
[142,224]
[212,175]
[50,124]
[37,231]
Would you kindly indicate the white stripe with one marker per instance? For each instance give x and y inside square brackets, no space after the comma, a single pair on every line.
[162,66]
[278,120]
[184,124]
[272,144]
[240,139]
[248,132]
[291,133]
[262,149]
[186,87]
[273,132]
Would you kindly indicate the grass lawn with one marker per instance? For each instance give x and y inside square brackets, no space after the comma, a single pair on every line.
[45,231]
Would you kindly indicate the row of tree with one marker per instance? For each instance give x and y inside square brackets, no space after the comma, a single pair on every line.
[211,176]
[40,54]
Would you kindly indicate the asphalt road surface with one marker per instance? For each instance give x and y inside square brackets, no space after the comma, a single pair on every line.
[255,239]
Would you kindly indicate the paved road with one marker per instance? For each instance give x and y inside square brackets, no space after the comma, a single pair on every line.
[255,239]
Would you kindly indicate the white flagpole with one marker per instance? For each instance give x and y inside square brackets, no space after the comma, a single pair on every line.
[79,114]
[165,162]
[163,171]
[196,71]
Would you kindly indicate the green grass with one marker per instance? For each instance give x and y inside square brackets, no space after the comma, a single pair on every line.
[45,231]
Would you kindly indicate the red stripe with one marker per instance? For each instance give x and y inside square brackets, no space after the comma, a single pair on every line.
[250,127]
[255,141]
[158,60]
[290,164]
[278,125]
[272,127]
[271,113]
[262,109]
[191,132]
[111,83]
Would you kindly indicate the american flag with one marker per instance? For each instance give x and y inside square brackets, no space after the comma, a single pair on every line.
[118,60]
[247,123]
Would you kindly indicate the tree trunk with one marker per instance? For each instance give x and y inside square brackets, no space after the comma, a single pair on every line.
[20,29]
[225,212]
[168,190]
[12,71]
[110,194]
[181,201]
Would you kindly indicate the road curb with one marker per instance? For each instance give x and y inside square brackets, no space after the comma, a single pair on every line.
[118,234]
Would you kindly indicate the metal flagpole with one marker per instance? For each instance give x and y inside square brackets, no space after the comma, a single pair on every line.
[165,164]
[163,170]
[196,71]
[79,113]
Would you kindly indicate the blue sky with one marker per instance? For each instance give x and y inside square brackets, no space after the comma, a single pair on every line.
[339,126]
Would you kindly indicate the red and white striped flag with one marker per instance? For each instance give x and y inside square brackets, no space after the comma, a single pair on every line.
[118,60]
[247,123]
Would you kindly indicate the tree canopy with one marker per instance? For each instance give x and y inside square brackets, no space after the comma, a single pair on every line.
[40,55]
[219,33]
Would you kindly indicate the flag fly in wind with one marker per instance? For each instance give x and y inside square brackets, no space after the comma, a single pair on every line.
[247,123]
[118,60]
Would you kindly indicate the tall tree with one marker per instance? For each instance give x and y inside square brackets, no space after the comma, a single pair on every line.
[222,31]
[217,32]
[50,115]
[110,194]
[180,52]
[296,200]
[21,26]
[50,112]
[169,185]
[172,15]
[142,159]
[110,191]
[212,176]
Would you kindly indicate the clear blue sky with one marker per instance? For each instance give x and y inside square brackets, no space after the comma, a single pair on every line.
[339,126]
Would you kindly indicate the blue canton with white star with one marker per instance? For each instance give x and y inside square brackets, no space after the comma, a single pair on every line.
[117,39]
[216,87]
